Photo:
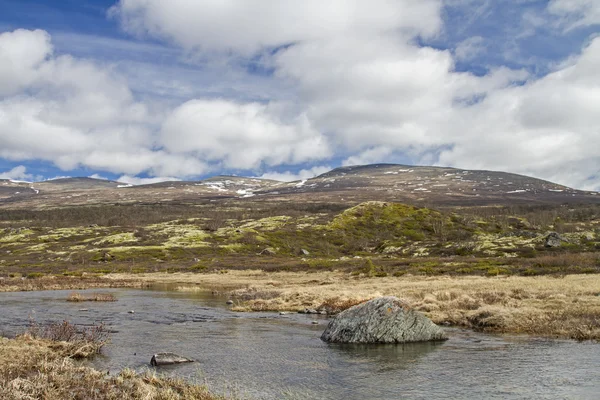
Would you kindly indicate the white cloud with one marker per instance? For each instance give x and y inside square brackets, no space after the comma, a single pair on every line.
[546,128]
[133,180]
[576,13]
[290,176]
[241,136]
[18,173]
[469,48]
[247,27]
[369,156]
[64,110]
[342,84]
[98,176]
[22,54]
[57,177]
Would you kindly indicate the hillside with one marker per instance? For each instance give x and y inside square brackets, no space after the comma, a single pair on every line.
[375,219]
[348,185]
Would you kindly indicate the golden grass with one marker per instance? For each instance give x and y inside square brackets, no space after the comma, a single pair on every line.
[64,283]
[77,297]
[34,369]
[566,306]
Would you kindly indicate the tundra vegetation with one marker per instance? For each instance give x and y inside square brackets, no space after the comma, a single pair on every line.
[41,364]
[487,267]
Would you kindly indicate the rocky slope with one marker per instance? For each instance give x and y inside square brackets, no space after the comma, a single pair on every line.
[383,182]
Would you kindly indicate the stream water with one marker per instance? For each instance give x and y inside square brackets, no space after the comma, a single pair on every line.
[272,356]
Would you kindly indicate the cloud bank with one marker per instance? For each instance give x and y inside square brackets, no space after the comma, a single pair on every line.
[361,86]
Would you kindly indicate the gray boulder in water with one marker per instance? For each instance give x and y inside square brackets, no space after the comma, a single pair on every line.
[382,320]
[168,359]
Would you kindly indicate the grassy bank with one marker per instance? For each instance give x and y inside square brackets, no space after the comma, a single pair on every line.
[51,282]
[35,368]
[565,306]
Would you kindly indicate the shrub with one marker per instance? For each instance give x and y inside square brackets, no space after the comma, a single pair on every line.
[80,343]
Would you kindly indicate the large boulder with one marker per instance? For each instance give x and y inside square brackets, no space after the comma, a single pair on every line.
[382,320]
[168,359]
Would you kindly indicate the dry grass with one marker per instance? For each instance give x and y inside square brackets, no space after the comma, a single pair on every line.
[77,297]
[34,369]
[565,306]
[64,283]
[68,340]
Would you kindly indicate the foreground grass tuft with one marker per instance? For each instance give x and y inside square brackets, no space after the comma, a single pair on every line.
[40,365]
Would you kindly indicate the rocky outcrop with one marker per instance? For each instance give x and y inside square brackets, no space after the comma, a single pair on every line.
[553,240]
[382,320]
[168,359]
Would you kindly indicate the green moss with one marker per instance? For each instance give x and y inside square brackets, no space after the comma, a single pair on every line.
[37,247]
[66,233]
[198,268]
[320,263]
[119,238]
[178,234]
[18,236]
[266,224]
[380,225]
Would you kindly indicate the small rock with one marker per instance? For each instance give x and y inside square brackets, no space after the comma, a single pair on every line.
[314,322]
[308,311]
[168,359]
[131,312]
[269,251]
[229,302]
[284,313]
[304,252]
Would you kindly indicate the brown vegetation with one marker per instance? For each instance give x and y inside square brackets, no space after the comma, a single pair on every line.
[64,283]
[77,297]
[556,306]
[68,340]
[34,369]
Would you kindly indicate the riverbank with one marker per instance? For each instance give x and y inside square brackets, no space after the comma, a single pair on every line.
[59,282]
[565,307]
[553,306]
[43,369]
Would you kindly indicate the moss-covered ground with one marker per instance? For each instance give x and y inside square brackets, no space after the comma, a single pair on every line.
[396,238]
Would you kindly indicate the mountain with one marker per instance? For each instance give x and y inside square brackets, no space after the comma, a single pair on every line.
[420,185]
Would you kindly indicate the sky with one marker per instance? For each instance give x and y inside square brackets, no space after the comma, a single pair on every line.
[148,90]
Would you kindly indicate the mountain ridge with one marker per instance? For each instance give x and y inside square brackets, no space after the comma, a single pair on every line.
[349,184]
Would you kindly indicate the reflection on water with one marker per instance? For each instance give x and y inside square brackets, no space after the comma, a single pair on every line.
[268,356]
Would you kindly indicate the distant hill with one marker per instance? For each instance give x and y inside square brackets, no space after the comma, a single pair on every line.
[420,185]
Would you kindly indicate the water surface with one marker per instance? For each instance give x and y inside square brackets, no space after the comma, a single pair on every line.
[270,356]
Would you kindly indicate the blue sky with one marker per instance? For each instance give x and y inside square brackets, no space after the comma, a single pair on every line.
[134,90]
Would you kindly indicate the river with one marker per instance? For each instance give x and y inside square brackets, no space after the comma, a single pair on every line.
[272,356]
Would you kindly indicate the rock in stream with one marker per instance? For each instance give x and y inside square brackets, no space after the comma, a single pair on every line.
[168,359]
[382,320]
